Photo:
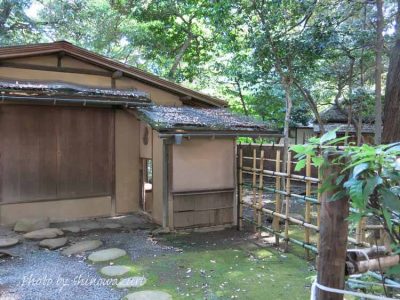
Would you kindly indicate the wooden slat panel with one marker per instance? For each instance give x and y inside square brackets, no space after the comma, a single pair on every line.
[55,152]
[201,210]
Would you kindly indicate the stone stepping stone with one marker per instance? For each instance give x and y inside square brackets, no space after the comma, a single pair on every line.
[27,225]
[131,282]
[53,243]
[114,270]
[8,242]
[112,226]
[72,229]
[148,295]
[106,255]
[45,233]
[81,247]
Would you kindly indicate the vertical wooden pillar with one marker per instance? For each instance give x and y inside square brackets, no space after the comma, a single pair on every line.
[308,205]
[276,219]
[254,185]
[240,190]
[287,200]
[333,237]
[260,194]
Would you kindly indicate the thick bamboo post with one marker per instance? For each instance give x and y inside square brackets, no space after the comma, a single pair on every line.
[308,205]
[254,185]
[360,232]
[260,193]
[240,198]
[287,200]
[276,219]
[333,236]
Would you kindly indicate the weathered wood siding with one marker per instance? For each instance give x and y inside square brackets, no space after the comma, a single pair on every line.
[55,152]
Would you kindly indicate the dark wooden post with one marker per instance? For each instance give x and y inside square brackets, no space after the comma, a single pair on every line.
[333,236]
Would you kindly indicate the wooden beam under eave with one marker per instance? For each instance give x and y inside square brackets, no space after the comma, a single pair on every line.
[55,69]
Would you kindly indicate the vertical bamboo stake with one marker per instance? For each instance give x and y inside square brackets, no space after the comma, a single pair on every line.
[254,185]
[260,193]
[308,204]
[318,208]
[287,200]
[276,219]
[360,231]
[240,189]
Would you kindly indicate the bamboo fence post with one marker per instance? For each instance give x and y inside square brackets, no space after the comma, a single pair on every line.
[318,208]
[240,189]
[260,193]
[276,219]
[287,200]
[254,185]
[333,237]
[360,232]
[308,204]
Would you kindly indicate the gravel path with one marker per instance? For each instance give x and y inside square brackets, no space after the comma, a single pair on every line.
[45,275]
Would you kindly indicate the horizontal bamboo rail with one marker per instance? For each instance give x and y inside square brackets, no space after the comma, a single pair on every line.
[282,216]
[281,174]
[281,235]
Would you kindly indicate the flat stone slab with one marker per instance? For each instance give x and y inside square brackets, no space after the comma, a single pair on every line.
[45,233]
[131,282]
[81,247]
[53,243]
[106,255]
[111,226]
[73,229]
[31,224]
[114,270]
[148,295]
[8,242]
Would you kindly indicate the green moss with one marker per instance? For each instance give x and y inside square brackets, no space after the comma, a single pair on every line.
[225,273]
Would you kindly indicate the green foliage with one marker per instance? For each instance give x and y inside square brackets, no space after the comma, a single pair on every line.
[369,177]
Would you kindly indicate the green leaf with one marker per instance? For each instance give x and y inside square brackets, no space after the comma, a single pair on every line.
[391,200]
[340,179]
[330,135]
[317,161]
[356,194]
[338,196]
[388,219]
[358,169]
[395,270]
[300,165]
[298,148]
[370,185]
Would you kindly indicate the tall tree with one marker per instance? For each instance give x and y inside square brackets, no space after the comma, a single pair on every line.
[391,123]
[378,71]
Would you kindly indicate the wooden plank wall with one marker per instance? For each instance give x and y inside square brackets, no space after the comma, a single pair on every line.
[203,209]
[55,152]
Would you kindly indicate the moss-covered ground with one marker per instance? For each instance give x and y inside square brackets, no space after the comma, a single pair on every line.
[223,266]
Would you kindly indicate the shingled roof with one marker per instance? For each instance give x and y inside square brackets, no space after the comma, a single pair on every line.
[165,118]
[35,91]
[188,96]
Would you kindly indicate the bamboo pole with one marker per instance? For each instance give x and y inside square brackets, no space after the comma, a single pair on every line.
[375,264]
[260,194]
[287,201]
[240,200]
[254,200]
[283,216]
[308,204]
[276,220]
[282,174]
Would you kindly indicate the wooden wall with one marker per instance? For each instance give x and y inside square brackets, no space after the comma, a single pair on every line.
[55,152]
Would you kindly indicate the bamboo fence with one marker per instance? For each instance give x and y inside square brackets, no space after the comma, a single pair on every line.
[269,193]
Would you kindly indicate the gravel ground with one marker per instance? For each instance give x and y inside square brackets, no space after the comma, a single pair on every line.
[43,274]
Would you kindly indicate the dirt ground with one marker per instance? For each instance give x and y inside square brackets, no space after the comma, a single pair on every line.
[215,265]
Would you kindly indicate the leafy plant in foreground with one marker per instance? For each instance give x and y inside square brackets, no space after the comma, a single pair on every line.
[369,177]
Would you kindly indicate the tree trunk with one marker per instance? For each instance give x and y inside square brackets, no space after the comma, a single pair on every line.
[307,96]
[245,110]
[378,72]
[391,123]
[179,56]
